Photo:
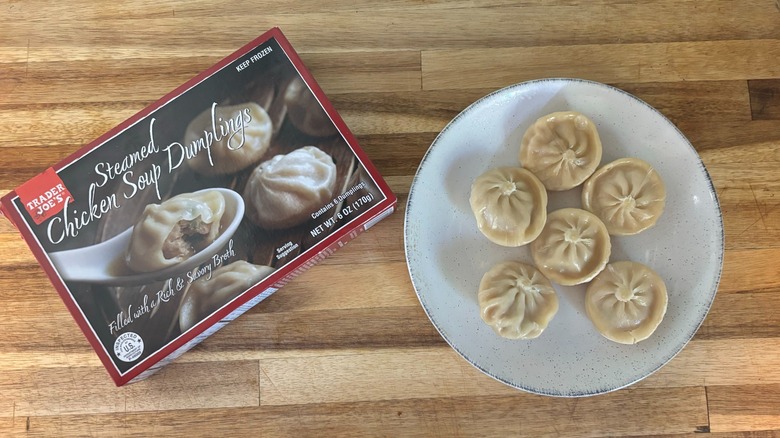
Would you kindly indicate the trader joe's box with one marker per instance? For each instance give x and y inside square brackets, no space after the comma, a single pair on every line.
[192,211]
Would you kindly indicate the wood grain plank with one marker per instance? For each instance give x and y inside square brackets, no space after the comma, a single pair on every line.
[765,99]
[702,362]
[375,114]
[751,215]
[371,113]
[750,270]
[760,152]
[689,101]
[390,327]
[76,389]
[744,408]
[383,132]
[63,127]
[742,315]
[296,380]
[373,285]
[406,28]
[650,411]
[14,251]
[706,135]
[659,62]
[712,363]
[13,61]
[205,9]
[366,71]
[400,185]
[137,76]
[698,432]
[749,201]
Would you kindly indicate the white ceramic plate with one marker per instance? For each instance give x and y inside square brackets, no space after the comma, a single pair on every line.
[447,255]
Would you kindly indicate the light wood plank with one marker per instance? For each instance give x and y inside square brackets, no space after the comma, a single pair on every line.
[66,128]
[653,411]
[13,61]
[749,201]
[712,363]
[297,380]
[749,270]
[742,315]
[373,285]
[14,251]
[716,103]
[660,62]
[710,135]
[76,389]
[148,76]
[371,114]
[407,28]
[366,71]
[744,408]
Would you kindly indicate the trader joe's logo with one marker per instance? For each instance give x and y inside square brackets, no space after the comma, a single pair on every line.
[44,196]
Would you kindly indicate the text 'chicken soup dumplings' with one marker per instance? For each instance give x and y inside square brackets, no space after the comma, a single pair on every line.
[283,191]
[626,302]
[516,300]
[210,293]
[510,205]
[173,231]
[573,247]
[627,194]
[239,136]
[562,149]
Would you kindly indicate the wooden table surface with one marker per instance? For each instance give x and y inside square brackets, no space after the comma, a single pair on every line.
[346,350]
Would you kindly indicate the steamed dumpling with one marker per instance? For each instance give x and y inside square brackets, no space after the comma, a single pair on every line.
[231,153]
[206,295]
[573,247]
[305,112]
[516,300]
[626,302]
[510,205]
[562,149]
[627,194]
[283,191]
[173,231]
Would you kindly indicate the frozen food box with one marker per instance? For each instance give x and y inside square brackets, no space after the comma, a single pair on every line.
[189,213]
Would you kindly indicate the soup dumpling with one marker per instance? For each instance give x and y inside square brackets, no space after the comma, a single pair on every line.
[516,300]
[173,231]
[573,247]
[305,112]
[510,205]
[627,194]
[235,151]
[206,295]
[626,302]
[562,149]
[283,191]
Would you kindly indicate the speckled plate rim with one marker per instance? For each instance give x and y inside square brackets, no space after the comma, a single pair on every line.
[415,283]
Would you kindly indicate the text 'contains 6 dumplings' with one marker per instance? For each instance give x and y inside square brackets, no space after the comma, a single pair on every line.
[625,300]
